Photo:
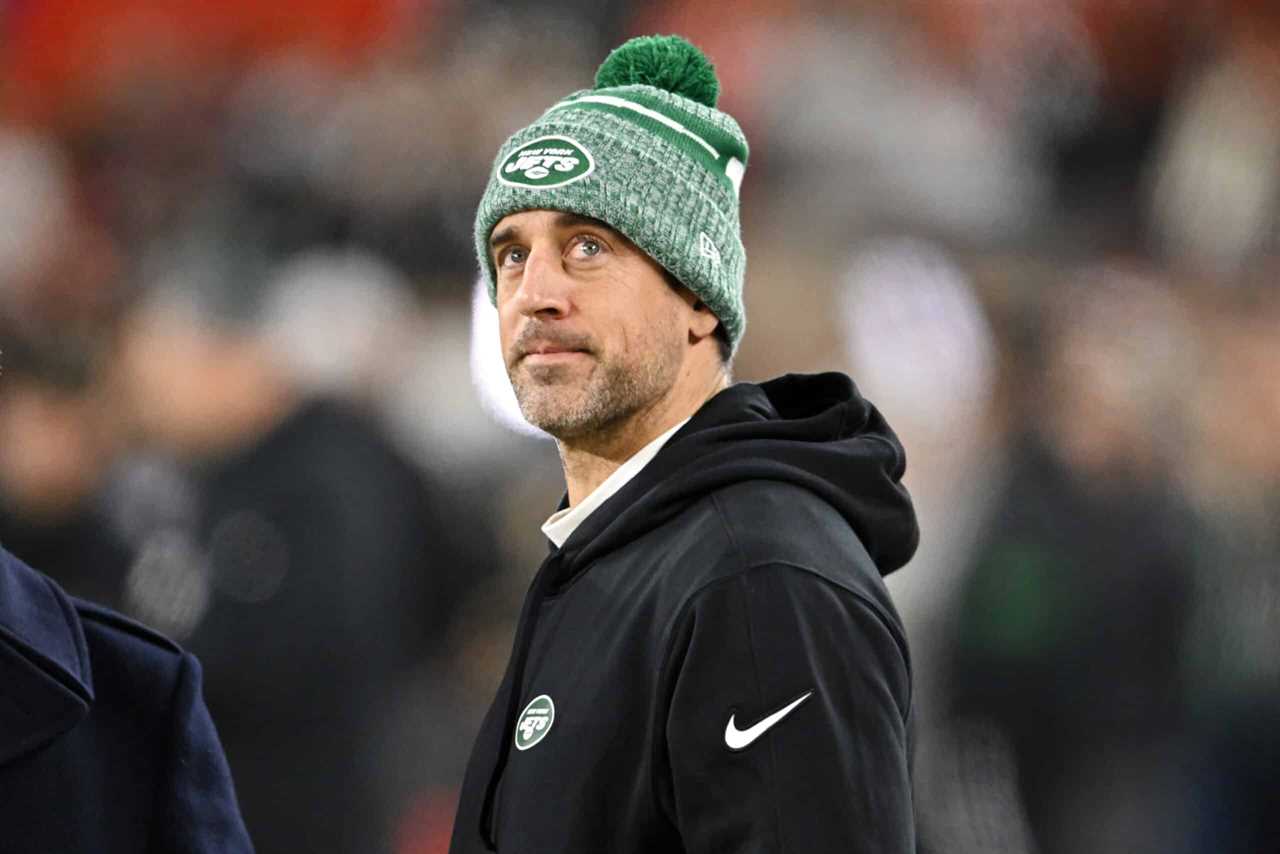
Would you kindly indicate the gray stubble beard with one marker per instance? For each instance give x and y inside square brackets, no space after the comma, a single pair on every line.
[611,393]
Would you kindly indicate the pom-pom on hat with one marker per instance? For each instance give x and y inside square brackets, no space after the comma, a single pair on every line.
[647,152]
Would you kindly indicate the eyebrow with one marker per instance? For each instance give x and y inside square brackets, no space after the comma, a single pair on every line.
[506,235]
[563,220]
[567,220]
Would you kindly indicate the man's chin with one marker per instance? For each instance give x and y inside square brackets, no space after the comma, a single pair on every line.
[559,425]
[554,409]
[554,367]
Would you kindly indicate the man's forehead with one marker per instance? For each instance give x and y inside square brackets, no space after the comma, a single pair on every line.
[518,223]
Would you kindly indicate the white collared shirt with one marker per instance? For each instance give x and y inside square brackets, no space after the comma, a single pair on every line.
[561,524]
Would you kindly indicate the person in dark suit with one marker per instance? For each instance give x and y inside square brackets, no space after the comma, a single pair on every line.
[105,742]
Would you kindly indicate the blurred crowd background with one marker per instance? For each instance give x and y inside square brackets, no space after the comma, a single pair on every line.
[251,398]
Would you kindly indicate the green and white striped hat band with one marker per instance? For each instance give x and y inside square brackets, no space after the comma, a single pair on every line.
[656,165]
[718,149]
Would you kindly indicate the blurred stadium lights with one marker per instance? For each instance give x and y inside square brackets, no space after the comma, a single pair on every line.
[918,338]
[169,583]
[488,370]
[328,315]
[1216,189]
[35,198]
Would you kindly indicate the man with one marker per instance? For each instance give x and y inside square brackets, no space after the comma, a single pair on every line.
[327,563]
[708,660]
[105,743]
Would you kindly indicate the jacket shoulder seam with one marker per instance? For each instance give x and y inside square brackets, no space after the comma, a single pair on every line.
[724,522]
[893,627]
[867,603]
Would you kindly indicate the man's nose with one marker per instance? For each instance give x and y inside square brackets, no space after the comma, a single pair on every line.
[544,286]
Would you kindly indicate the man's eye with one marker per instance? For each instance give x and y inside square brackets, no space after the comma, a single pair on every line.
[514,255]
[590,246]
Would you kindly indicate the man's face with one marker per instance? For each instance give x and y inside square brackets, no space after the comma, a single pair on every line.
[591,331]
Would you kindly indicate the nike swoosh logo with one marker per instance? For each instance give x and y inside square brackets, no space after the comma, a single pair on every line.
[737,739]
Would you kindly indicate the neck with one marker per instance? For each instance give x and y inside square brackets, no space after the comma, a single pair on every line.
[589,460]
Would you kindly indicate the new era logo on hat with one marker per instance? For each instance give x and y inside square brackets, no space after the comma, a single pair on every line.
[707,249]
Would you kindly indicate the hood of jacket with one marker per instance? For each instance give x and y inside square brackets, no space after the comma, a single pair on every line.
[814,431]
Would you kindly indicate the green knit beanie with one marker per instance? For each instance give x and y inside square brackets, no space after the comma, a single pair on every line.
[646,152]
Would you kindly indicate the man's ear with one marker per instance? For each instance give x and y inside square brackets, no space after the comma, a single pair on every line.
[702,322]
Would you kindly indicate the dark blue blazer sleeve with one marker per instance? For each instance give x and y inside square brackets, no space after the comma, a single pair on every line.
[198,812]
[106,746]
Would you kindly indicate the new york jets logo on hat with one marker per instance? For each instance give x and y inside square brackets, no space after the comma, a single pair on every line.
[549,161]
[535,722]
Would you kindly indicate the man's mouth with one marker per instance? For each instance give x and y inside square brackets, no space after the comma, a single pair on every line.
[550,351]
[553,354]
[552,348]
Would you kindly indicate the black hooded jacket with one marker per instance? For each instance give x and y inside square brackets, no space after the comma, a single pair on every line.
[711,662]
